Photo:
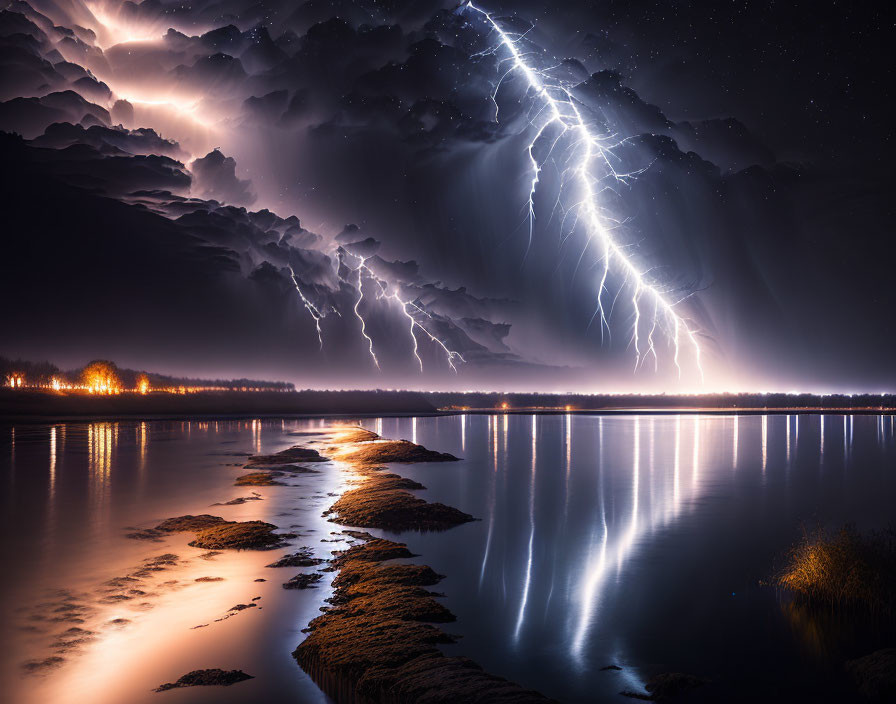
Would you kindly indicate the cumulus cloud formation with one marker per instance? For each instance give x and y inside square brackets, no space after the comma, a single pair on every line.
[164,123]
[214,176]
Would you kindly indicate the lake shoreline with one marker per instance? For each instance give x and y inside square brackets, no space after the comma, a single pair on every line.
[46,406]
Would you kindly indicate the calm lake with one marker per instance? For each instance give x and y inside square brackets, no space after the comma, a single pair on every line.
[634,541]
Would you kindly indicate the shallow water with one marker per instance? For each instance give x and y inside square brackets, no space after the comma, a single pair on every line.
[69,493]
[641,541]
[637,541]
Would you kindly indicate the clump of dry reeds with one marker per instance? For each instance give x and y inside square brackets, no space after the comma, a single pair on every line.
[844,568]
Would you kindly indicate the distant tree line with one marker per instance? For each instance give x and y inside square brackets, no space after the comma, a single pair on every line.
[589,402]
[42,374]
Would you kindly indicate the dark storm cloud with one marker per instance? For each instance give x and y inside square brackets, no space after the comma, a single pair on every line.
[363,248]
[215,177]
[105,168]
[487,332]
[297,236]
[458,303]
[218,72]
[620,106]
[31,116]
[267,108]
[397,271]
[349,233]
[109,140]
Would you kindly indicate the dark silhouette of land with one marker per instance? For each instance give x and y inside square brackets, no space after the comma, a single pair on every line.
[741,402]
[27,404]
[43,405]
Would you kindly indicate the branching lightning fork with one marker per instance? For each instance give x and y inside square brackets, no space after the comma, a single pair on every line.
[309,306]
[558,109]
[450,355]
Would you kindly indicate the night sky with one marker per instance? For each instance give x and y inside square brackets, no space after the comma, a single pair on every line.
[196,188]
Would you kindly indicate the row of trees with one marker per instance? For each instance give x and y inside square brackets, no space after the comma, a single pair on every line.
[584,402]
[104,375]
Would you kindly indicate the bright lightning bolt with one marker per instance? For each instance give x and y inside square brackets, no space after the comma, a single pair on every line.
[357,307]
[414,324]
[404,311]
[651,348]
[561,109]
[309,306]
[637,308]
[450,355]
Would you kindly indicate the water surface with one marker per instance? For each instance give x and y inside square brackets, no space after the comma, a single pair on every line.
[636,541]
[70,493]
[641,542]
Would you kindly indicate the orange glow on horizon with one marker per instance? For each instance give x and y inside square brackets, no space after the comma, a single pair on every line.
[101,378]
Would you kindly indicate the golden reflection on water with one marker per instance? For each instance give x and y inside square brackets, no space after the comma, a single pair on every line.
[142,444]
[141,441]
[819,629]
[101,441]
[805,625]
[52,464]
[256,436]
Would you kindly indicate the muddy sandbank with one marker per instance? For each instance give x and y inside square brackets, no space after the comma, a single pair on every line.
[303,557]
[383,500]
[303,581]
[386,451]
[287,456]
[205,678]
[378,642]
[214,533]
[258,479]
